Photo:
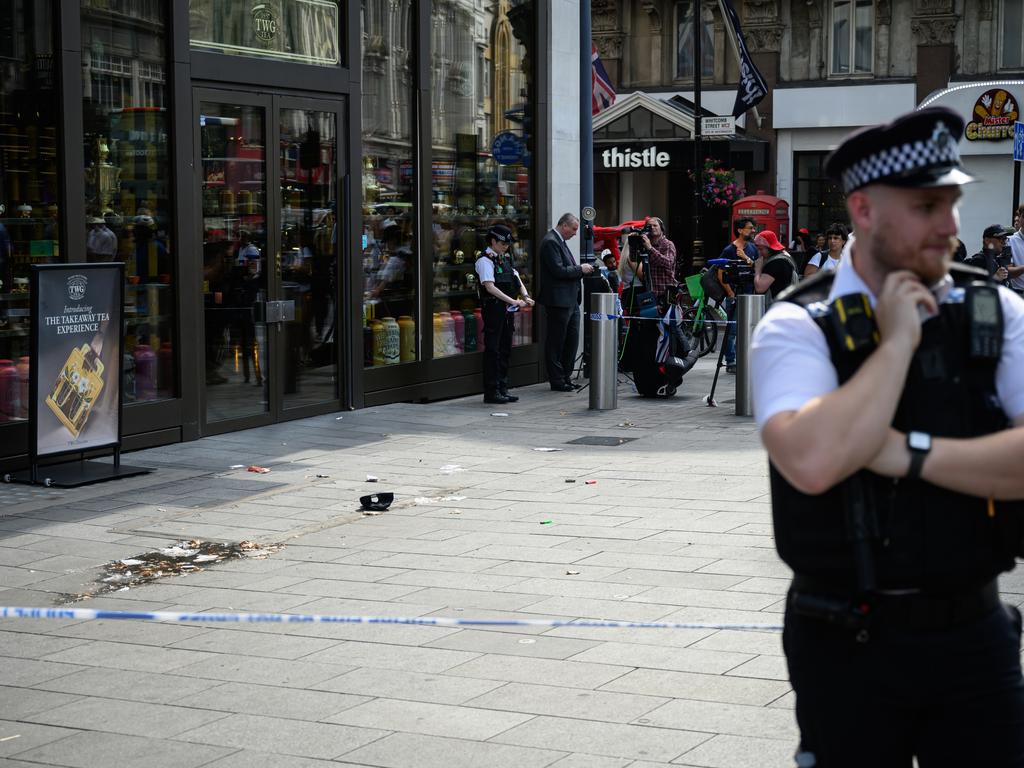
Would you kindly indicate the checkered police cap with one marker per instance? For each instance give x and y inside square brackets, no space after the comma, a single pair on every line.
[914,150]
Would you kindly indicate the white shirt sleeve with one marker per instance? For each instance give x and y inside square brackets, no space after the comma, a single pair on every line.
[485,269]
[790,362]
[1010,371]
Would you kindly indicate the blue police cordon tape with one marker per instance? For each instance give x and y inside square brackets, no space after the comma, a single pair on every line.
[84,614]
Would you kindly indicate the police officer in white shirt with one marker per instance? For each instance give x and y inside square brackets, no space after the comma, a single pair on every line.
[889,397]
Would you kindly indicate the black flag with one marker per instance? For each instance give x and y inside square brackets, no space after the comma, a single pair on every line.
[752,87]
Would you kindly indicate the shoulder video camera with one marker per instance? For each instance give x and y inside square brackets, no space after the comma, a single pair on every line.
[736,273]
[636,242]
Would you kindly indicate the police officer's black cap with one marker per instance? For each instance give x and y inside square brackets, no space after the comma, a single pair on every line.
[997,230]
[501,233]
[918,149]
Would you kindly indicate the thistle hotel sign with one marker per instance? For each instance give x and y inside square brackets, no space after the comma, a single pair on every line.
[633,158]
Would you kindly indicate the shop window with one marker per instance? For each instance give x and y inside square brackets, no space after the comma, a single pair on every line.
[389,249]
[818,201]
[481,162]
[1013,34]
[852,37]
[684,42]
[297,31]
[29,212]
[127,172]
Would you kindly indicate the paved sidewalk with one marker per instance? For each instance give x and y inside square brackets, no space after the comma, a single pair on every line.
[677,528]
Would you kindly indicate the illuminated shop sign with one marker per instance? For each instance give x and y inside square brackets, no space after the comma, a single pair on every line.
[993,117]
[635,158]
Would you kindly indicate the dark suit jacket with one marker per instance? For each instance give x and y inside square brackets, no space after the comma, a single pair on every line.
[560,275]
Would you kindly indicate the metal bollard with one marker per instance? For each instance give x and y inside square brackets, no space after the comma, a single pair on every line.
[749,311]
[604,331]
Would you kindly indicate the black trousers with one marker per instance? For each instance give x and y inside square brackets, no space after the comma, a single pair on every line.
[497,345]
[952,697]
[560,342]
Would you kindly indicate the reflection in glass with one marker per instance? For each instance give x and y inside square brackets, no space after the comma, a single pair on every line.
[28,184]
[309,254]
[234,172]
[481,163]
[684,42]
[299,31]
[127,193]
[388,174]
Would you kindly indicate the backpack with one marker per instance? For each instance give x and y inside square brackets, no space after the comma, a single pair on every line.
[794,279]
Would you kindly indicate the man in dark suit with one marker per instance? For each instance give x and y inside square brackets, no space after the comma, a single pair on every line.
[560,293]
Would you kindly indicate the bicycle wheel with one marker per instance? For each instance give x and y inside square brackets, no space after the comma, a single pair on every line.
[703,334]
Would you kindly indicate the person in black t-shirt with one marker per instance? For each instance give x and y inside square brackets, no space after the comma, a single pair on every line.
[775,271]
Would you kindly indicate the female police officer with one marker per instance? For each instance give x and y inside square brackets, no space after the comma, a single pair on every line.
[499,284]
[890,401]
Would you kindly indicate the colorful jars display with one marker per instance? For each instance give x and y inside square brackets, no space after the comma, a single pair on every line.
[469,335]
[145,372]
[378,341]
[392,344]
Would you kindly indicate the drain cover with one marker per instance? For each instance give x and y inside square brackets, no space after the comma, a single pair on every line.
[600,440]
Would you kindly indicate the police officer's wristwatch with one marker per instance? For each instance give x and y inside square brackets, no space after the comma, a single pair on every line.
[919,444]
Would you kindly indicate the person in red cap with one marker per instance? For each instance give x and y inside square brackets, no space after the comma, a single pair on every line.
[776,270]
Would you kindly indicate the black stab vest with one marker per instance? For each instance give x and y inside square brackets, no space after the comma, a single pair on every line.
[504,277]
[922,536]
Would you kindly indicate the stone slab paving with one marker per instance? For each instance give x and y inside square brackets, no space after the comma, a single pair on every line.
[675,526]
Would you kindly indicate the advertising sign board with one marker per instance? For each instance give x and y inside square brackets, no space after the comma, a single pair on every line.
[76,357]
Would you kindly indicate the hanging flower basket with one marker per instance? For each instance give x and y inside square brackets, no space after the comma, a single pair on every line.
[718,187]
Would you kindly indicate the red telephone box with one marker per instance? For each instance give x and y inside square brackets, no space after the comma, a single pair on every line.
[767,211]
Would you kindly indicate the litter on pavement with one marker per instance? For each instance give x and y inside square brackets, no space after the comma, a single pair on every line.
[376,502]
[176,560]
[258,470]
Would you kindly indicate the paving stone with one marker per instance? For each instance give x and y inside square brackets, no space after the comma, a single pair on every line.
[133,718]
[572,674]
[88,749]
[699,686]
[609,739]
[35,645]
[22,703]
[592,761]
[742,642]
[567,702]
[28,672]
[279,736]
[512,644]
[391,657]
[130,686]
[654,657]
[135,632]
[734,719]
[764,667]
[430,719]
[410,686]
[741,752]
[125,656]
[245,669]
[252,759]
[406,750]
[290,703]
[255,644]
[20,737]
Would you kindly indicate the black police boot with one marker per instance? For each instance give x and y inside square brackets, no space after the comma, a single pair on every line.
[496,398]
[510,397]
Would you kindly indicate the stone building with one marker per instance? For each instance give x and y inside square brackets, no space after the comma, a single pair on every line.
[831,66]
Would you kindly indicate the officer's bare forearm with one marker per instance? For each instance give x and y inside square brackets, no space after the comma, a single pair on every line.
[833,436]
[492,289]
[1015,271]
[979,466]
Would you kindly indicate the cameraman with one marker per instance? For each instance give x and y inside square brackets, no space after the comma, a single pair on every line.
[742,249]
[994,256]
[661,255]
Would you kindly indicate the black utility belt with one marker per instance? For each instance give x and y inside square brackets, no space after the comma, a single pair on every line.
[896,609]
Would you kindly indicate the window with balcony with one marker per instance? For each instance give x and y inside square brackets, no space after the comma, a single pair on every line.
[1013,34]
[853,23]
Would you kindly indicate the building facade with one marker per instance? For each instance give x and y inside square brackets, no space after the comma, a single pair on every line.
[831,66]
[297,190]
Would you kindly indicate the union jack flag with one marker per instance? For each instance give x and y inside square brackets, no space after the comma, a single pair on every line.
[602,93]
